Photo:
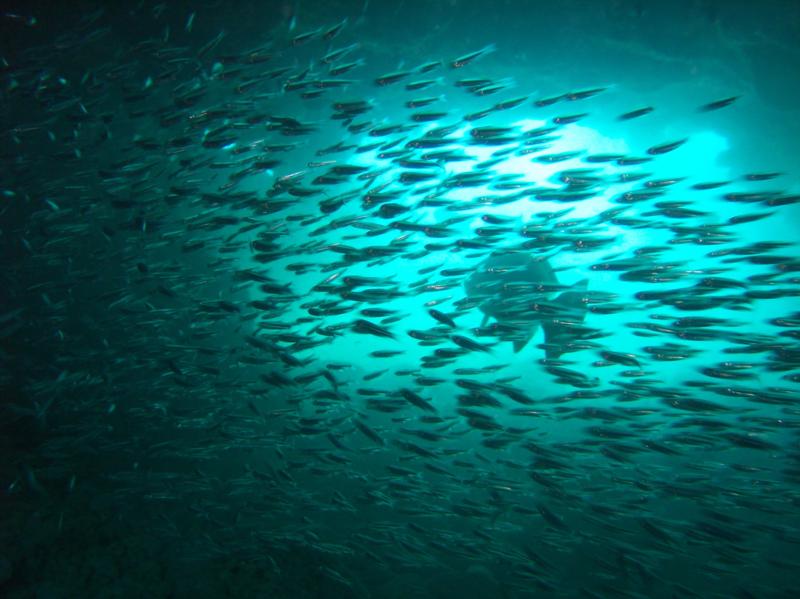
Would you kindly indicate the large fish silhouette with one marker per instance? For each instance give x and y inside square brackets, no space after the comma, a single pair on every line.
[521,292]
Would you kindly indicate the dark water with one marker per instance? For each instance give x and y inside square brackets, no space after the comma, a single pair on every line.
[389,300]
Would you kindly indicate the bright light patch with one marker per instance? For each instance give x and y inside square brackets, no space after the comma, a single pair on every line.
[517,173]
[571,138]
[700,155]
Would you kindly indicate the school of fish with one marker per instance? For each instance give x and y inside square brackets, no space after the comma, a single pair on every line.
[314,320]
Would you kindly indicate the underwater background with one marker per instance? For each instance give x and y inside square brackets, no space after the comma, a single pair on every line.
[372,299]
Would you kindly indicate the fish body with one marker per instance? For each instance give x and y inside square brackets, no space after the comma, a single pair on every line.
[466,59]
[512,288]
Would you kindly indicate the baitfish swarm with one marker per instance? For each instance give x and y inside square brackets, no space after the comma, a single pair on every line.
[292,318]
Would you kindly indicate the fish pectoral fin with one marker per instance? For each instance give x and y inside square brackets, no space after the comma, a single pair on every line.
[519,344]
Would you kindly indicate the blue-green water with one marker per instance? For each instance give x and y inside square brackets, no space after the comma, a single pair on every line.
[368,299]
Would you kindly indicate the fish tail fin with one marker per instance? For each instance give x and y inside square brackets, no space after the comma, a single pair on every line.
[573,299]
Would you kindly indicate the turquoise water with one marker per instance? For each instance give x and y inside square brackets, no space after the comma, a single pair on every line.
[386,300]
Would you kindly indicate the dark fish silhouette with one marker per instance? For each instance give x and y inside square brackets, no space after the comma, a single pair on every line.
[521,292]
